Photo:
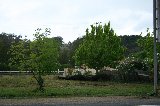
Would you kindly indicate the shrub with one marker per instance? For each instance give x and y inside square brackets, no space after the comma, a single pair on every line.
[77,77]
[103,75]
[129,68]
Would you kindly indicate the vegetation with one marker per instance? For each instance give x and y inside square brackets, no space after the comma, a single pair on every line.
[129,69]
[5,43]
[130,43]
[23,86]
[146,44]
[66,51]
[39,56]
[101,47]
[131,56]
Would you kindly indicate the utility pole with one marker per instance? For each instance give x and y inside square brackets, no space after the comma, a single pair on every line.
[158,19]
[156,32]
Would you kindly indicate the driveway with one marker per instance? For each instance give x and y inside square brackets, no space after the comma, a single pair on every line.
[82,101]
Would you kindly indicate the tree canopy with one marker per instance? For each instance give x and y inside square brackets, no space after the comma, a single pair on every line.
[146,44]
[100,47]
[5,43]
[39,56]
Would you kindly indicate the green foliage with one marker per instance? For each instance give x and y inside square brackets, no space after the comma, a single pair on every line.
[39,56]
[147,45]
[19,52]
[5,43]
[44,57]
[67,51]
[128,69]
[59,40]
[72,47]
[64,55]
[100,47]
[130,42]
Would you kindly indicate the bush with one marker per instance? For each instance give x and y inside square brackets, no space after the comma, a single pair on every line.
[103,75]
[77,77]
[129,68]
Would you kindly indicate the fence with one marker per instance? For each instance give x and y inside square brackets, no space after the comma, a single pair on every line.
[26,72]
[15,72]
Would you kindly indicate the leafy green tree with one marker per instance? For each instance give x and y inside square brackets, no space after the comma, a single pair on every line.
[101,47]
[59,40]
[146,44]
[72,49]
[19,55]
[5,43]
[39,56]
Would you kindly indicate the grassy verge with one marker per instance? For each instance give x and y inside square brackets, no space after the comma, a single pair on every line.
[24,86]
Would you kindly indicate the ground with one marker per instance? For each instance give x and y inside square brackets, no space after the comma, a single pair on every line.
[82,101]
[20,90]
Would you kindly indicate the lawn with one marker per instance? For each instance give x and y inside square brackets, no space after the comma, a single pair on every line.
[25,85]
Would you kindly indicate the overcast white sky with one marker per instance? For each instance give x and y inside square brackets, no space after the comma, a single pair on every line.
[70,18]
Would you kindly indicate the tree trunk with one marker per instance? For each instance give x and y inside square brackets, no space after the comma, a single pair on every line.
[40,81]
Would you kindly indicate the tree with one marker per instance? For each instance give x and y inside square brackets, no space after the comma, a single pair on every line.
[101,47]
[39,56]
[72,49]
[5,43]
[59,40]
[146,44]
[130,42]
[64,56]
[19,55]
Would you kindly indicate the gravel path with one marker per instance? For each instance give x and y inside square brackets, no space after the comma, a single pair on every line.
[82,101]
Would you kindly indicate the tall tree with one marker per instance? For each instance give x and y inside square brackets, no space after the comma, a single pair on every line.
[101,47]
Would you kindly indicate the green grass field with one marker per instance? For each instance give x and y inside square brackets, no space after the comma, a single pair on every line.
[24,86]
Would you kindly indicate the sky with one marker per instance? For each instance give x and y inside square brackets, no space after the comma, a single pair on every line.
[70,18]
